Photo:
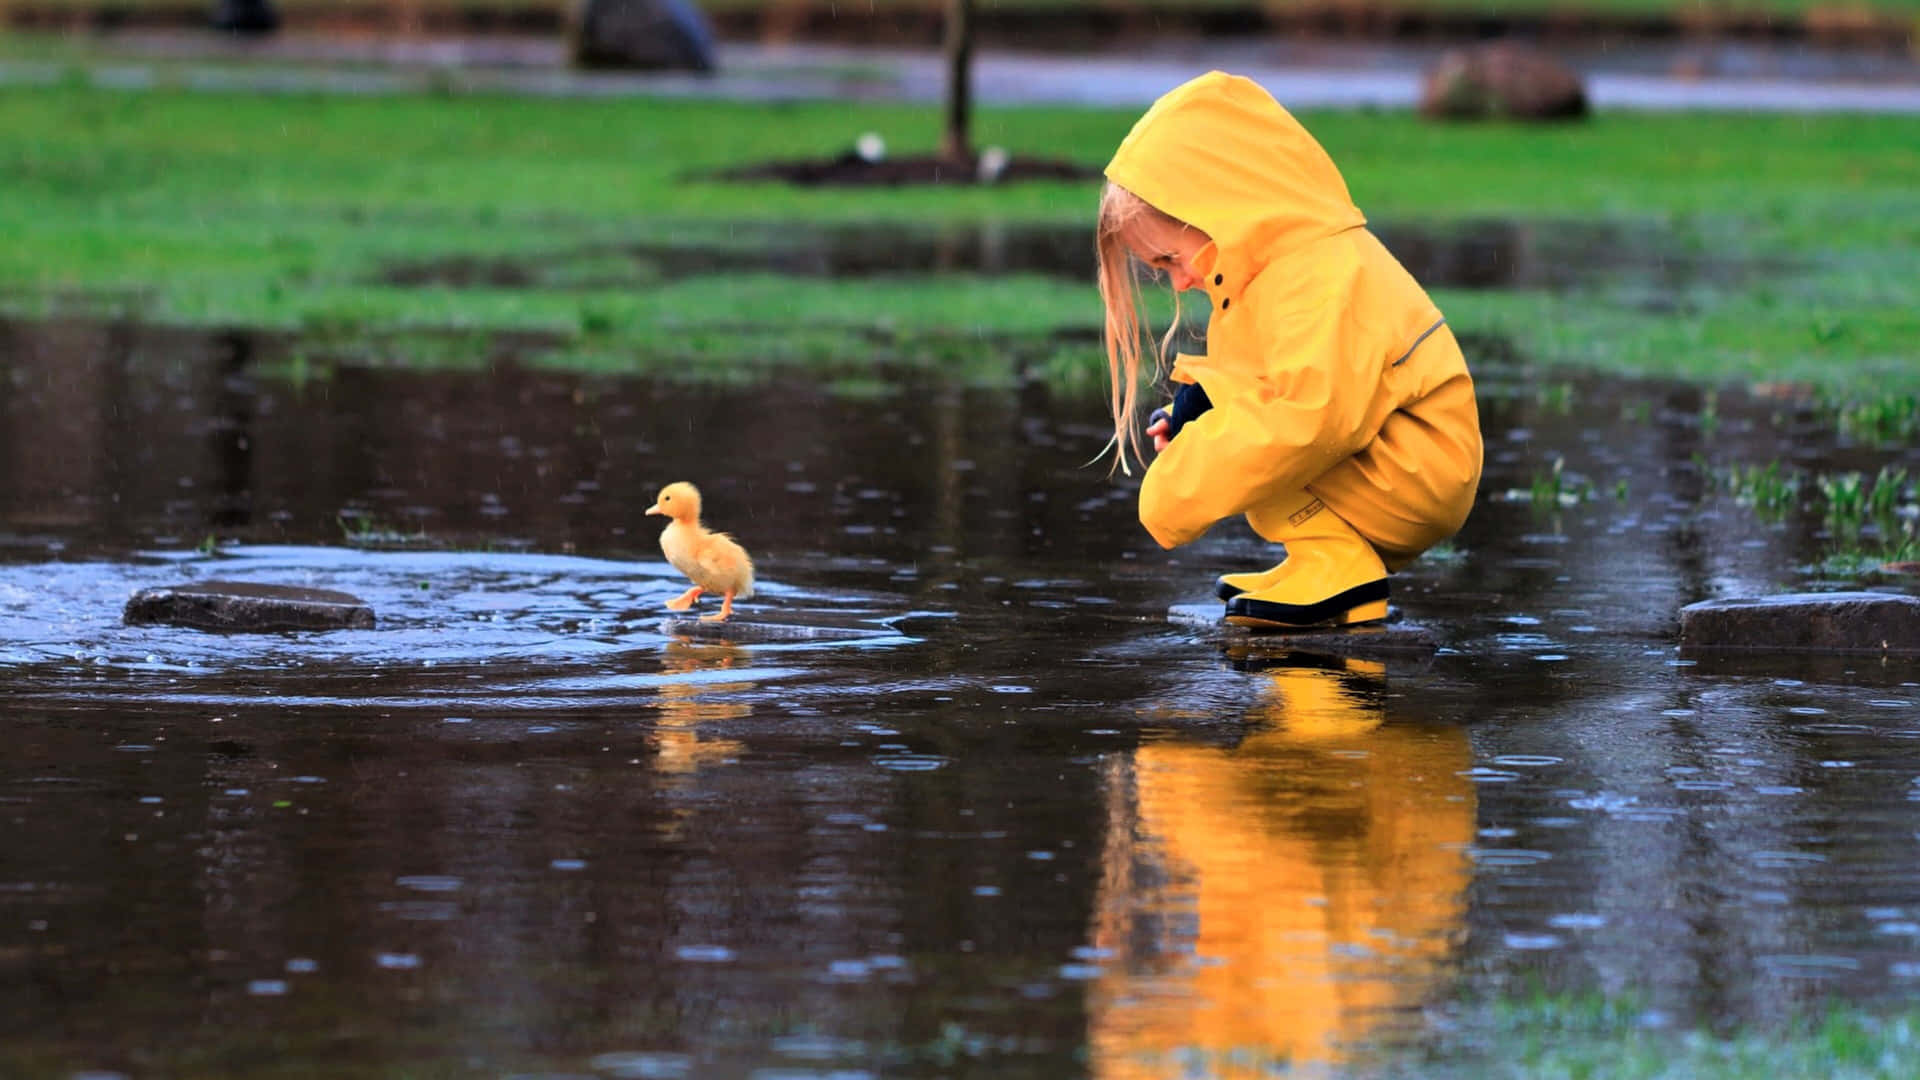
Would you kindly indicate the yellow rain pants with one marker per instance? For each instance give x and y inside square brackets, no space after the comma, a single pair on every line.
[1328,367]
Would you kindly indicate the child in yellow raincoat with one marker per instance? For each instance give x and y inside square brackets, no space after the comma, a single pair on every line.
[1333,407]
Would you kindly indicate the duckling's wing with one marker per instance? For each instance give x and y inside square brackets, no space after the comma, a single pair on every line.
[725,563]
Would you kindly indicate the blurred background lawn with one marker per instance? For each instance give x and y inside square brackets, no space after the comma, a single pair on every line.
[292,211]
[400,225]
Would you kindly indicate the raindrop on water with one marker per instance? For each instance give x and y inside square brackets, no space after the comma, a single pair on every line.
[643,1065]
[1577,921]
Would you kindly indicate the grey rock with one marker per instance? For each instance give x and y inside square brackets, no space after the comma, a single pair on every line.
[246,16]
[657,35]
[1377,640]
[243,607]
[1845,622]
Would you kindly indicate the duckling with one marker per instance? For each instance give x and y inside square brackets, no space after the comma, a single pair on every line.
[713,561]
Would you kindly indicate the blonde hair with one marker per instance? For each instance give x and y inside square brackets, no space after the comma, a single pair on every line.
[1120,211]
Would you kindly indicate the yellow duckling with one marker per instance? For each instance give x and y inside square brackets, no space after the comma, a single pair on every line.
[713,561]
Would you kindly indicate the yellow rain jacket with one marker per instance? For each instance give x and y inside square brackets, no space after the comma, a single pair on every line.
[1320,346]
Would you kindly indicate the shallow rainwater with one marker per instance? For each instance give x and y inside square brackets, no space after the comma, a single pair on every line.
[1487,254]
[951,798]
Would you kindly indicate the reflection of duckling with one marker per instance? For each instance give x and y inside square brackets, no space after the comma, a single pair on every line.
[713,561]
[686,703]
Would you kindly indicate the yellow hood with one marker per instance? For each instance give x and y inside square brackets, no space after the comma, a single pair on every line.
[1219,153]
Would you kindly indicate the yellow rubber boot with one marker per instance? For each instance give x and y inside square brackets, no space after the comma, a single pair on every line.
[1331,577]
[1228,586]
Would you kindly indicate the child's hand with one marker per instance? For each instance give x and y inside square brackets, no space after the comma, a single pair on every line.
[1158,429]
[1164,423]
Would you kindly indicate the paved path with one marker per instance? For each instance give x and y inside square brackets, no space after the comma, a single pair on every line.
[1300,76]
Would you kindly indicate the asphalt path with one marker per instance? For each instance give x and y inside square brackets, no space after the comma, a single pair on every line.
[1300,75]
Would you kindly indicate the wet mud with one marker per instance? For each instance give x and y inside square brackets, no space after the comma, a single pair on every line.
[952,796]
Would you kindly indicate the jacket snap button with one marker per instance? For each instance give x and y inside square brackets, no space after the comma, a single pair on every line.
[1218,278]
[1224,303]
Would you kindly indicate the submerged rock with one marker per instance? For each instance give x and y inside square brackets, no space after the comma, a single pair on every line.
[741,631]
[1374,640]
[242,607]
[1854,622]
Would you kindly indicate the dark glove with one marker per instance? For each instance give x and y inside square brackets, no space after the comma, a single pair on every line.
[1188,403]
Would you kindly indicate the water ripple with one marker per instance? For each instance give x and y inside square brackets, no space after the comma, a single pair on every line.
[459,631]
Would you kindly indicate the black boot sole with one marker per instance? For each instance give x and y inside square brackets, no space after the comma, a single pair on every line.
[1332,610]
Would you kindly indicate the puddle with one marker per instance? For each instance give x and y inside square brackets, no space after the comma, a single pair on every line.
[1489,254]
[847,251]
[998,812]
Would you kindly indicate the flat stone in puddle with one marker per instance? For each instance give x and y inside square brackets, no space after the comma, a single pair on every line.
[1372,640]
[244,607]
[746,631]
[1841,622]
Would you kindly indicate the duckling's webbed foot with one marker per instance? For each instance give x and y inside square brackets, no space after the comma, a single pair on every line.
[685,600]
[726,610]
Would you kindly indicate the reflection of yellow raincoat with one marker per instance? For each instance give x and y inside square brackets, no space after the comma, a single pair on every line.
[1287,900]
[1327,365]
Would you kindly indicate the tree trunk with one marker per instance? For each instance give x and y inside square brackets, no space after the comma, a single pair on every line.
[957,144]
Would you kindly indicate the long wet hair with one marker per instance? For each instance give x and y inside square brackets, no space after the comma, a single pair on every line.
[1120,210]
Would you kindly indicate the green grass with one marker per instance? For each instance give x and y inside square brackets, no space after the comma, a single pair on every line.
[282,211]
[1593,1036]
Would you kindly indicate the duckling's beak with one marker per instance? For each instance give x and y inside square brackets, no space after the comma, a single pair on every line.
[655,509]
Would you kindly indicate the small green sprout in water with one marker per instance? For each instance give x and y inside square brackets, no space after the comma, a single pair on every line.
[1620,489]
[1846,496]
[1889,493]
[1557,398]
[1637,412]
[209,544]
[1767,488]
[1893,420]
[1556,487]
[1871,523]
[1710,413]
[363,530]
